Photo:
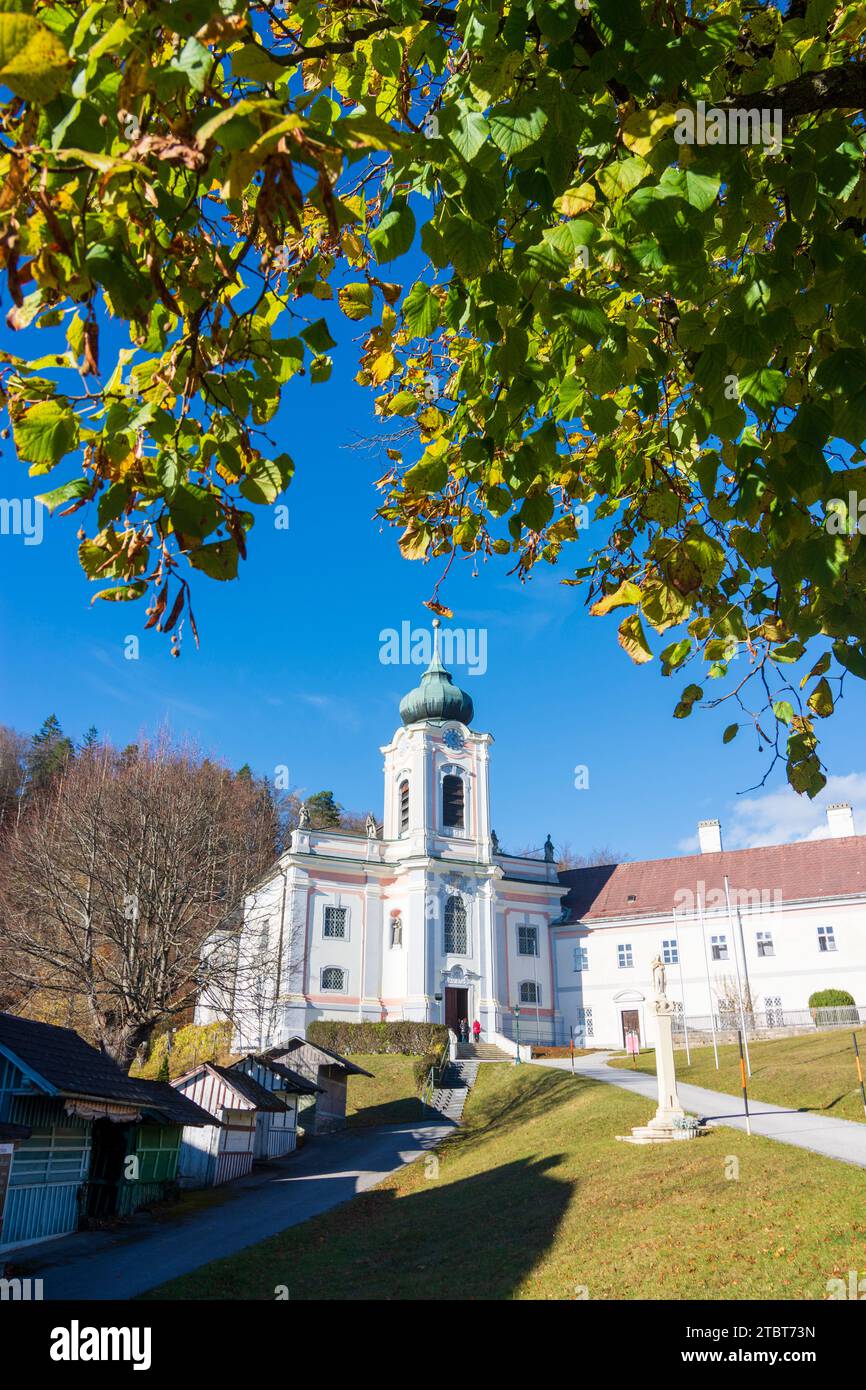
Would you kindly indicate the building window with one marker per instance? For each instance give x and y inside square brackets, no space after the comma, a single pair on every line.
[584,1021]
[826,939]
[335,923]
[527,940]
[333,979]
[624,957]
[719,947]
[404,807]
[670,953]
[452,801]
[765,943]
[774,1011]
[530,992]
[581,958]
[456,939]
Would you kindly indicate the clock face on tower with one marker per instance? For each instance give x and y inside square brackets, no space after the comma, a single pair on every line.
[452,738]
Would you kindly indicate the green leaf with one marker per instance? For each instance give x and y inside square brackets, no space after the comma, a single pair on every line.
[218,560]
[730,733]
[67,492]
[469,246]
[263,482]
[421,310]
[783,710]
[33,61]
[820,701]
[516,125]
[395,232]
[195,62]
[317,336]
[44,434]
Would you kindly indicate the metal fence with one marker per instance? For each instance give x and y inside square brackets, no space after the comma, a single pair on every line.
[769,1022]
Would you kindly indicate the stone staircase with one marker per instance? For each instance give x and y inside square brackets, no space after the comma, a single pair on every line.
[481,1052]
[458,1079]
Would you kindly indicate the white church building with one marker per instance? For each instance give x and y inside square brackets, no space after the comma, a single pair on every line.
[429,920]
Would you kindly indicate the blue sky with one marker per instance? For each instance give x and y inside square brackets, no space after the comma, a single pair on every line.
[289,671]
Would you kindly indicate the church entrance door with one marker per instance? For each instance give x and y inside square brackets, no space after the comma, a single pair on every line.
[630,1023]
[456,1007]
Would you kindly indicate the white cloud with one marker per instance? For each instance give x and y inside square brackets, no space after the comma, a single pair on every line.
[776,817]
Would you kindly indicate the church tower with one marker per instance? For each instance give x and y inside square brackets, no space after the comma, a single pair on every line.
[437,799]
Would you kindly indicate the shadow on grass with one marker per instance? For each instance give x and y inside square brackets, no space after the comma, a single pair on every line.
[476,1238]
[406,1110]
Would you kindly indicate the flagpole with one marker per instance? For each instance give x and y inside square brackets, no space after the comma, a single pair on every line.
[709,986]
[739,981]
[682,987]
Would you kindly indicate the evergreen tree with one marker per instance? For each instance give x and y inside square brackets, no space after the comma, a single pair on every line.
[325,813]
[49,752]
[91,738]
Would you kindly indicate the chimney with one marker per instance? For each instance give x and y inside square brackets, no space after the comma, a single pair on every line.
[840,819]
[710,836]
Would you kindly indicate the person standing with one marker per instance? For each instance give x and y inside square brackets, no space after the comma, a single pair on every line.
[476,1030]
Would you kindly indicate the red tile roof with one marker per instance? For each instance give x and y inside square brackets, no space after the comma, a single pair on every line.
[808,869]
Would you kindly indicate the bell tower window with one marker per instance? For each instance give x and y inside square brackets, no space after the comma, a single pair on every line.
[404,807]
[452,801]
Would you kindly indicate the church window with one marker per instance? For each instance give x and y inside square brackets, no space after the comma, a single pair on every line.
[527,940]
[530,993]
[404,807]
[826,939]
[765,943]
[624,957]
[335,923]
[581,958]
[719,947]
[456,940]
[333,979]
[670,953]
[452,801]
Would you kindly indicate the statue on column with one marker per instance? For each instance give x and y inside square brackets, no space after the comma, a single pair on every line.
[548,850]
[659,978]
[303,817]
[371,827]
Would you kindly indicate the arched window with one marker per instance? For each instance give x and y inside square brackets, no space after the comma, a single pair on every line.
[404,807]
[452,801]
[333,979]
[456,942]
[530,992]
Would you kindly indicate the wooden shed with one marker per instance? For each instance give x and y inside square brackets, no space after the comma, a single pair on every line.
[276,1131]
[326,1112]
[100,1143]
[235,1100]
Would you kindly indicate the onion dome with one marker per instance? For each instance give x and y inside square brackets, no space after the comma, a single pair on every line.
[437,697]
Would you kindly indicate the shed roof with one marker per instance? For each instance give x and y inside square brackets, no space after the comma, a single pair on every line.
[62,1063]
[329,1058]
[246,1088]
[292,1080]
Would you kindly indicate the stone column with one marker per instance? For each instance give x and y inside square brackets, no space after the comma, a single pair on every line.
[669,1107]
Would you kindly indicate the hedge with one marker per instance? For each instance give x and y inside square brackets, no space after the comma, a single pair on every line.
[830,999]
[402,1036]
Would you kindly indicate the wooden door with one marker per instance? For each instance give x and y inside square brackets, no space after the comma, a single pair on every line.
[630,1023]
[455,1008]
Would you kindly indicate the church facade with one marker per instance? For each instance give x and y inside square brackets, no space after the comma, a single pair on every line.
[429,920]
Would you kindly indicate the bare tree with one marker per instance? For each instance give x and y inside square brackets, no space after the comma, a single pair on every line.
[114,879]
[13,747]
[570,859]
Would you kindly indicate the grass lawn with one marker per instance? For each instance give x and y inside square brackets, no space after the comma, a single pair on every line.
[388,1097]
[815,1072]
[534,1199]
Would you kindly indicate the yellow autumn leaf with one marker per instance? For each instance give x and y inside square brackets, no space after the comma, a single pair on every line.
[632,639]
[626,593]
[643,129]
[382,367]
[576,200]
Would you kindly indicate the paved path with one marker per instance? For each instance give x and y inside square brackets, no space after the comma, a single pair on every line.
[132,1259]
[842,1139]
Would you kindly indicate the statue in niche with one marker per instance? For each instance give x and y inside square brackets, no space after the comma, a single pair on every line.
[396,931]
